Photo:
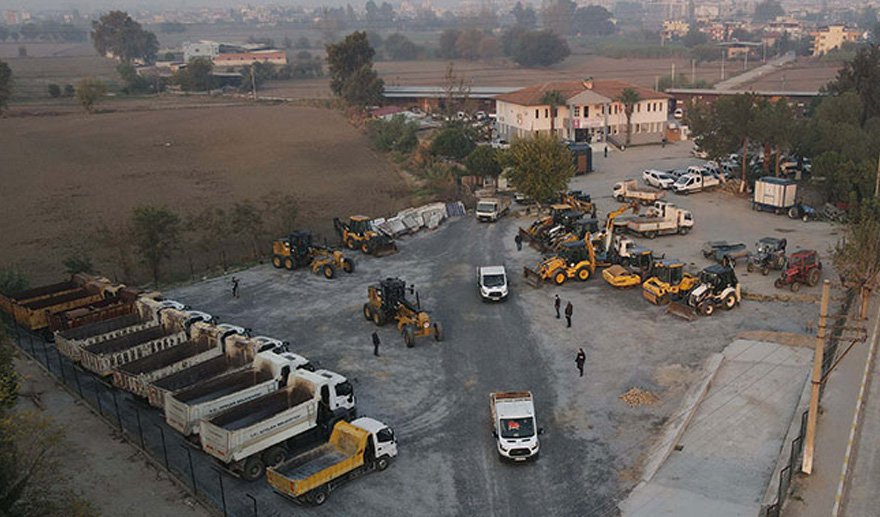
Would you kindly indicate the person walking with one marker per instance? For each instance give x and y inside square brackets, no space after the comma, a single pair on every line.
[606,150]
[580,360]
[518,241]
[376,343]
[234,287]
[569,310]
[556,303]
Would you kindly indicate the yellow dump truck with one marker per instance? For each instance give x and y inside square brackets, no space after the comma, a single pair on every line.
[41,293]
[354,449]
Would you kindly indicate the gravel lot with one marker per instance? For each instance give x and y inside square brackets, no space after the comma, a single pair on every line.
[436,395]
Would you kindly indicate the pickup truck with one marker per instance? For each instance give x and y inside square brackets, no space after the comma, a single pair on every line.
[630,190]
[662,218]
[490,209]
[695,182]
[355,448]
[269,372]
[259,433]
[492,282]
[514,425]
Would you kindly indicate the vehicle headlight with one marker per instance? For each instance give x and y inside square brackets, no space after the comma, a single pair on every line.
[503,448]
[535,446]
[426,325]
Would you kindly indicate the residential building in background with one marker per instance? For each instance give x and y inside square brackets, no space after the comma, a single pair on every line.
[826,39]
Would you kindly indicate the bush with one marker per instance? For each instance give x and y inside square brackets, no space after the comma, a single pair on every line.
[396,134]
[452,142]
[538,48]
[54,91]
[483,161]
[69,90]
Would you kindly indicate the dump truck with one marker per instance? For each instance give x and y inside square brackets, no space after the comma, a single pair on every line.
[662,218]
[629,190]
[94,312]
[41,293]
[34,315]
[269,371]
[251,436]
[137,375]
[514,425]
[238,355]
[490,209]
[355,448]
[102,358]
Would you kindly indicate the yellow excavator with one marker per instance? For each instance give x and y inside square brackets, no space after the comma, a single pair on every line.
[574,260]
[668,282]
[358,233]
[298,250]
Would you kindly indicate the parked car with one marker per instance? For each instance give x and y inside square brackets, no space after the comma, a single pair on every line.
[678,113]
[658,179]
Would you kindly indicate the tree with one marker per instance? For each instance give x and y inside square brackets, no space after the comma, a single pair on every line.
[5,85]
[29,31]
[134,82]
[155,232]
[196,76]
[351,71]
[768,10]
[453,142]
[400,48]
[525,16]
[89,91]
[396,134]
[725,125]
[54,91]
[558,16]
[539,166]
[629,98]
[78,263]
[695,37]
[117,34]
[468,44]
[303,43]
[539,48]
[448,48]
[554,99]
[861,75]
[247,221]
[857,256]
[593,20]
[483,161]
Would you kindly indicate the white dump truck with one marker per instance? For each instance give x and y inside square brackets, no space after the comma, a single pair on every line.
[662,218]
[490,209]
[269,371]
[629,190]
[514,424]
[492,282]
[263,431]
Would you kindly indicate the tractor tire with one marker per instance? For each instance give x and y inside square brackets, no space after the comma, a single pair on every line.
[379,318]
[729,302]
[348,265]
[794,213]
[779,284]
[274,456]
[368,312]
[277,261]
[813,278]
[289,264]
[558,277]
[706,308]
[409,336]
[751,268]
[438,331]
[795,287]
[765,270]
[583,274]
[254,468]
[329,271]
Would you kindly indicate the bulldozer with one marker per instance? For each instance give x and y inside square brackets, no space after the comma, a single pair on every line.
[668,282]
[387,302]
[574,260]
[298,250]
[358,233]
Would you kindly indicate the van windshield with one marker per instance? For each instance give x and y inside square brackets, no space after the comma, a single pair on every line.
[493,280]
[485,207]
[517,427]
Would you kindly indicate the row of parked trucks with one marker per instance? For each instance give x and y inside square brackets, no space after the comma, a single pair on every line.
[248,401]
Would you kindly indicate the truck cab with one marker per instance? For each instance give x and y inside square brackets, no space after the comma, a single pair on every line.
[492,281]
[382,438]
[490,209]
[514,425]
[337,393]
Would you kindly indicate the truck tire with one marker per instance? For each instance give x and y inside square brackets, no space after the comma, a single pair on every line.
[319,496]
[382,463]
[289,264]
[348,265]
[438,331]
[368,312]
[277,261]
[274,456]
[651,235]
[620,199]
[794,213]
[253,469]
[328,270]
[409,336]
[683,230]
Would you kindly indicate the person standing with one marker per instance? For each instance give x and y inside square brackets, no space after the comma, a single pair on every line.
[569,310]
[518,241]
[556,304]
[580,360]
[606,150]
[234,287]
[376,343]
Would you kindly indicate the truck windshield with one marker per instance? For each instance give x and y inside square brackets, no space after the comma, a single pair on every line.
[343,389]
[485,207]
[517,427]
[493,280]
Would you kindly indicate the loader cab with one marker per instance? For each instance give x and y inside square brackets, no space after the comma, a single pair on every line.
[300,243]
[669,272]
[718,278]
[574,253]
[359,224]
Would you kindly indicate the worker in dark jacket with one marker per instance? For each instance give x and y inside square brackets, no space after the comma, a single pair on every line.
[569,310]
[580,359]
[376,343]
[556,303]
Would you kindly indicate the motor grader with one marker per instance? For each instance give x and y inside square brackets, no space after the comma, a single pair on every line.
[358,233]
[387,302]
[668,282]
[574,260]
[298,250]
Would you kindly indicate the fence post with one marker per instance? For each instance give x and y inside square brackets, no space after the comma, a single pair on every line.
[254,501]
[46,355]
[164,447]
[98,398]
[813,416]
[61,366]
[137,415]
[192,472]
[78,385]
[222,493]
[116,405]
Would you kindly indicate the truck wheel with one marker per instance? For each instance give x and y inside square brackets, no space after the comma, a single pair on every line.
[765,270]
[288,264]
[253,469]
[319,497]
[813,278]
[277,262]
[620,199]
[706,308]
[329,271]
[382,463]
[583,274]
[349,243]
[368,312]
[779,284]
[795,287]
[409,336]
[274,456]
[348,265]
[684,230]
[729,301]
[751,268]
[558,277]
[379,318]
[438,331]
[650,235]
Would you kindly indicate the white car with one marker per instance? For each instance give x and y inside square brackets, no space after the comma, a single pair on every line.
[678,113]
[492,282]
[658,179]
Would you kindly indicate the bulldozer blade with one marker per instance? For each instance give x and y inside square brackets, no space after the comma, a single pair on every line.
[681,310]
[532,277]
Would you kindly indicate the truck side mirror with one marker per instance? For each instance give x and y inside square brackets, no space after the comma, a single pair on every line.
[540,430]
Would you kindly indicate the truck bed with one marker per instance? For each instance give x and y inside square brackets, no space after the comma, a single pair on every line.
[43,291]
[57,300]
[222,386]
[204,371]
[166,357]
[130,340]
[249,413]
[102,327]
[312,462]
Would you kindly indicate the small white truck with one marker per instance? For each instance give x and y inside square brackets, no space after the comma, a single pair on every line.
[492,282]
[490,209]
[629,190]
[514,425]
[262,432]
[269,371]
[662,218]
[695,180]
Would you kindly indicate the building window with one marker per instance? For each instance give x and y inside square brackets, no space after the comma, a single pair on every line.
[546,112]
[577,111]
[586,111]
[638,108]
[537,114]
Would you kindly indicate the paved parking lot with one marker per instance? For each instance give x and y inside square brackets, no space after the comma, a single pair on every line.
[436,394]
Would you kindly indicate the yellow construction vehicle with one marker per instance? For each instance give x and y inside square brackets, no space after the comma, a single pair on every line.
[387,302]
[579,201]
[638,268]
[358,233]
[297,251]
[668,282]
[574,260]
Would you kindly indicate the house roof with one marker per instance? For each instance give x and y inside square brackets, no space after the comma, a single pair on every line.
[386,110]
[610,89]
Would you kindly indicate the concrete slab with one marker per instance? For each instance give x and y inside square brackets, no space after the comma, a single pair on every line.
[729,450]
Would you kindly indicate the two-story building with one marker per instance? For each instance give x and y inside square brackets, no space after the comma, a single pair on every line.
[589,111]
[831,37]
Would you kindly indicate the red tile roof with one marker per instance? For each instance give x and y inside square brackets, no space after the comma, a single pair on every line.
[533,95]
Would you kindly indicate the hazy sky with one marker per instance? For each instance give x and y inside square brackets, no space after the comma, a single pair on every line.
[87,5]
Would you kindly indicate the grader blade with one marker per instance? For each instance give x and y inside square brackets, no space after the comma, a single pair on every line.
[681,310]
[532,277]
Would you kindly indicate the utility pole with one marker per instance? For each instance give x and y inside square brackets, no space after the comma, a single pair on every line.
[693,72]
[746,61]
[722,64]
[877,185]
[673,75]
[816,380]
[253,82]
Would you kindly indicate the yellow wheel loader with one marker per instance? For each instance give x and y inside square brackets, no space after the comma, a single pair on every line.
[297,251]
[668,282]
[358,233]
[574,260]
[387,302]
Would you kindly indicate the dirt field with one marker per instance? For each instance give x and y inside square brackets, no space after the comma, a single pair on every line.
[70,173]
[805,75]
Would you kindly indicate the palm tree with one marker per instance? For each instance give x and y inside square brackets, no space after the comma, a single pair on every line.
[553,98]
[629,98]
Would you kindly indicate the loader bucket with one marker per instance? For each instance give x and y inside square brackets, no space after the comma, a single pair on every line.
[681,310]
[385,248]
[532,277]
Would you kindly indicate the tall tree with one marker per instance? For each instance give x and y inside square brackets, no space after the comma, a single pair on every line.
[540,166]
[5,84]
[196,76]
[862,75]
[629,98]
[538,48]
[351,70]
[156,233]
[447,46]
[525,16]
[857,256]
[558,16]
[768,10]
[116,33]
[554,99]
[593,20]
